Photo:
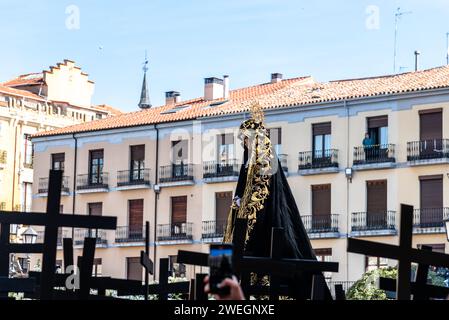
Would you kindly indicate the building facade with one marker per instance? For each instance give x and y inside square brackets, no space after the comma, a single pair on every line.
[32,103]
[176,166]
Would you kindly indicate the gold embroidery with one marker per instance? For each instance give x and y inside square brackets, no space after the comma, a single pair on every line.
[258,175]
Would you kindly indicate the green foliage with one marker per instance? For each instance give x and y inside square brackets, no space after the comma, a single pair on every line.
[366,288]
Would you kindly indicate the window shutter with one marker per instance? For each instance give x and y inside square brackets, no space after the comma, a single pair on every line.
[95,209]
[179,209]
[223,201]
[321,200]
[431,192]
[134,269]
[377,122]
[138,153]
[376,196]
[135,212]
[321,128]
[431,125]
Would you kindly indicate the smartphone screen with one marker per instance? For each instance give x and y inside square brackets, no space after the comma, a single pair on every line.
[220,264]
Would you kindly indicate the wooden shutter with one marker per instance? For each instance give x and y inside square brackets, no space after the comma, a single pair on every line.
[135,214]
[321,128]
[376,196]
[431,191]
[134,269]
[138,153]
[377,122]
[96,154]
[223,201]
[95,209]
[275,135]
[321,200]
[431,125]
[178,210]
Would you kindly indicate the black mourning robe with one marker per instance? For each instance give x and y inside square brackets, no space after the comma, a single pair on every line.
[280,210]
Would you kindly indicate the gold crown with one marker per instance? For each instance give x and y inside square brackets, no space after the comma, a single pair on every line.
[257,113]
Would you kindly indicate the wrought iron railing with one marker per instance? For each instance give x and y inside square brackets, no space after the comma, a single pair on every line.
[133,177]
[371,221]
[378,153]
[80,234]
[428,149]
[3,156]
[213,229]
[430,217]
[176,231]
[43,185]
[87,181]
[130,234]
[320,223]
[215,169]
[176,172]
[318,159]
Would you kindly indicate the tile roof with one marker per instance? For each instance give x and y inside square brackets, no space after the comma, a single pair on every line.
[20,93]
[107,108]
[290,92]
[25,80]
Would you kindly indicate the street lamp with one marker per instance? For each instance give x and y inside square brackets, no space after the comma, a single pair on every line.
[29,236]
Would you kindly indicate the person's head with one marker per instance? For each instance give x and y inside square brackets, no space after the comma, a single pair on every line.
[367,135]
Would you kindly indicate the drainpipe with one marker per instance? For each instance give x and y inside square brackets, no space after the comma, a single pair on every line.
[348,220]
[14,166]
[74,179]
[156,198]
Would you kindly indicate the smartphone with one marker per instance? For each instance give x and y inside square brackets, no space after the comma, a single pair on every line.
[220,265]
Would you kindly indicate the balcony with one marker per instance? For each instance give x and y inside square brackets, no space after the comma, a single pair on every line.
[430,220]
[219,171]
[2,206]
[423,152]
[43,186]
[80,234]
[22,208]
[317,162]
[176,174]
[213,229]
[130,234]
[87,183]
[373,224]
[133,179]
[321,226]
[175,232]
[378,156]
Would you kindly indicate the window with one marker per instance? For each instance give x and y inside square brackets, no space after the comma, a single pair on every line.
[98,116]
[179,151]
[431,198]
[137,162]
[376,203]
[135,218]
[177,269]
[97,267]
[431,133]
[28,151]
[27,196]
[436,247]
[223,201]
[321,207]
[57,161]
[378,130]
[178,210]
[133,268]
[225,147]
[59,266]
[96,166]
[321,140]
[324,255]
[95,209]
[23,264]
[275,135]
[373,263]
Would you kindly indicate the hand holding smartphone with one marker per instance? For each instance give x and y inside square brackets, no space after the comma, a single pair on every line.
[220,264]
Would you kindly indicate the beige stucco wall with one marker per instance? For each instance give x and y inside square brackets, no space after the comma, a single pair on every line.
[346,197]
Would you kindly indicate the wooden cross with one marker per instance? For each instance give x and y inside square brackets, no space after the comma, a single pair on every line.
[274,266]
[404,253]
[145,260]
[52,220]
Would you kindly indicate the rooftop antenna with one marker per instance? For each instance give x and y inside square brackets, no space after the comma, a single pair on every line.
[397,16]
[447,47]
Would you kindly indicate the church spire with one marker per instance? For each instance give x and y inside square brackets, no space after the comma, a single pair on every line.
[144,95]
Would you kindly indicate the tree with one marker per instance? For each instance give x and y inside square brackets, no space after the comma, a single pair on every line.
[366,287]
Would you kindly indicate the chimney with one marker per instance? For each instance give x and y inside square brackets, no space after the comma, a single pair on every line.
[172,97]
[226,86]
[276,77]
[213,88]
[417,53]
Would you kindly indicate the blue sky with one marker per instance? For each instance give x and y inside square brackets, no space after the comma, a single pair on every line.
[190,40]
